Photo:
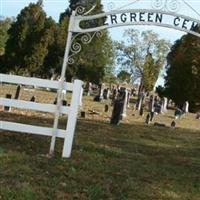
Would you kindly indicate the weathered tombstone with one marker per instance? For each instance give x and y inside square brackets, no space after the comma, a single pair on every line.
[156,124]
[83,114]
[118,107]
[178,113]
[99,97]
[17,93]
[128,98]
[88,88]
[55,101]
[125,101]
[114,95]
[32,99]
[8,108]
[151,107]
[140,100]
[186,107]
[164,105]
[105,93]
[198,116]
[106,108]
[173,124]
[64,102]
[147,120]
[141,112]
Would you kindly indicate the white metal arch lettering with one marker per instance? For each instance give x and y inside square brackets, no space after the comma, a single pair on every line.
[137,17]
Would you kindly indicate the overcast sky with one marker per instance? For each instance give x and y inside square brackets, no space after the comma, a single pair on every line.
[55,7]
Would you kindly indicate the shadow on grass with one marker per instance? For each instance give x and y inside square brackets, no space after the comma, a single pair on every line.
[108,162]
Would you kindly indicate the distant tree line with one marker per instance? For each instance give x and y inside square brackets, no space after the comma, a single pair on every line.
[182,79]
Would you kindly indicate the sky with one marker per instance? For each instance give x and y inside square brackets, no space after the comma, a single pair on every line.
[53,8]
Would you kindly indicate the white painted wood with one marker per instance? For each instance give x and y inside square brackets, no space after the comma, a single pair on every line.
[72,119]
[38,130]
[7,78]
[33,106]
[61,85]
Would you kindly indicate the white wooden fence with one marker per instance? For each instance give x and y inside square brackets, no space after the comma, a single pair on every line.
[71,110]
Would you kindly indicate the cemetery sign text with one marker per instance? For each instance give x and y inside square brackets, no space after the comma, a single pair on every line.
[137,17]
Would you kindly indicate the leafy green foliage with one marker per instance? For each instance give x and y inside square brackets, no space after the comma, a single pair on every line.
[182,81]
[94,59]
[124,76]
[142,55]
[29,39]
[4,26]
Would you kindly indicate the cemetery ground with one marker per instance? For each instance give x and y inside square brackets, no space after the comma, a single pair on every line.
[130,161]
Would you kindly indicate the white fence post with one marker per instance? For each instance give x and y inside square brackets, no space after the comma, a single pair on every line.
[72,118]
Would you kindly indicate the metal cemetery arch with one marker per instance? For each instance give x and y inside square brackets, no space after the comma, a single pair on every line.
[153,17]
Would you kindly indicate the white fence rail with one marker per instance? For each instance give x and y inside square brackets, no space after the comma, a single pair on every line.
[71,110]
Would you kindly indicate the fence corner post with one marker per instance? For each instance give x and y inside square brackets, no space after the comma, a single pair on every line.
[72,118]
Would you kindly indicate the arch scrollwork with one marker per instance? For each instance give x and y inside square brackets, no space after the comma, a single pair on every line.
[83,39]
[168,5]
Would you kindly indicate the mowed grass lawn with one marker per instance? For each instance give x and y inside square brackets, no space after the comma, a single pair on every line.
[130,161]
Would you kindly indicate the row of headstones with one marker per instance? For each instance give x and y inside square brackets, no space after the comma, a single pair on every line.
[32,99]
[155,104]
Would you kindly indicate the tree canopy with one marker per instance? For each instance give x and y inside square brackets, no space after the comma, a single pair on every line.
[4,26]
[29,39]
[143,55]
[182,80]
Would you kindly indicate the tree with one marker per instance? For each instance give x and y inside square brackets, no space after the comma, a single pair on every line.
[124,76]
[95,59]
[4,26]
[29,39]
[142,55]
[182,80]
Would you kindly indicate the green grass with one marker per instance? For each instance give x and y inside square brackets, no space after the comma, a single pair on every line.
[130,161]
[108,162]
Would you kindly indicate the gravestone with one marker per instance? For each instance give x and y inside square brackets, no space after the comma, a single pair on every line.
[178,113]
[88,88]
[198,116]
[118,107]
[106,108]
[55,101]
[64,102]
[164,105]
[151,107]
[156,124]
[141,112]
[147,120]
[114,95]
[128,98]
[140,100]
[32,99]
[83,114]
[99,96]
[173,124]
[186,107]
[105,93]
[17,92]
[124,90]
[8,108]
